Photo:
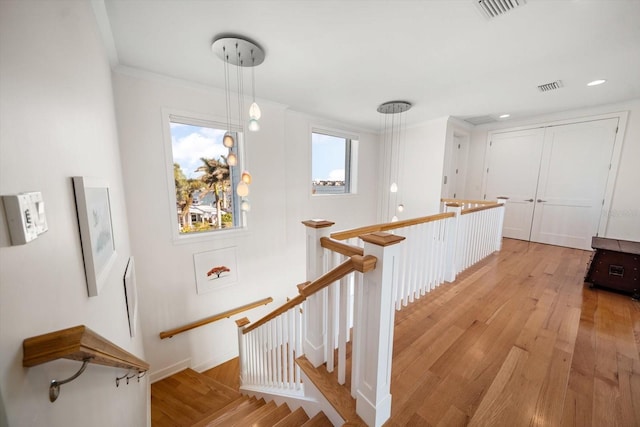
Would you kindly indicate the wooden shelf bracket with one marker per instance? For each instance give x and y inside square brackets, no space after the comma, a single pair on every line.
[82,344]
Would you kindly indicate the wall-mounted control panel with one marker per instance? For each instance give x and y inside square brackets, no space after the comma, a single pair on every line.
[25,216]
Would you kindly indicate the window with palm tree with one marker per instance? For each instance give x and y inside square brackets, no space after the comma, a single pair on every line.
[203,179]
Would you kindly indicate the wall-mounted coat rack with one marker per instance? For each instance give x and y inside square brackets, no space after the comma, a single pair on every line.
[82,344]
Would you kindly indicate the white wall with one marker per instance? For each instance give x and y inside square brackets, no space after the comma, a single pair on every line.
[624,215]
[270,252]
[422,149]
[57,116]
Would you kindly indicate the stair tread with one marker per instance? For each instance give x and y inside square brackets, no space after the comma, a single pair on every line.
[294,419]
[212,383]
[259,413]
[318,420]
[274,416]
[232,418]
[187,397]
[338,396]
[228,408]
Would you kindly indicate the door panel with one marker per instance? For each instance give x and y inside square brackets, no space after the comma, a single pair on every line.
[572,183]
[513,170]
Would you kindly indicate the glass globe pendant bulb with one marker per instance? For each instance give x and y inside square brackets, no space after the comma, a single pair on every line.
[242,189]
[394,219]
[400,207]
[232,160]
[394,188]
[228,141]
[246,177]
[245,206]
[254,111]
[254,126]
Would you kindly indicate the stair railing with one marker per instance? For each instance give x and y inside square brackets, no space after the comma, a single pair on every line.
[269,347]
[335,300]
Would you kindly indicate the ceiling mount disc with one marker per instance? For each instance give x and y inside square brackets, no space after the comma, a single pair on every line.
[238,51]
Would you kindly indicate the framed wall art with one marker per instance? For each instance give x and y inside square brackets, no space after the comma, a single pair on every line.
[215,269]
[131,296]
[96,231]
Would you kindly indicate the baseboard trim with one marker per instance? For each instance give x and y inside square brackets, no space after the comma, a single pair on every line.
[169,370]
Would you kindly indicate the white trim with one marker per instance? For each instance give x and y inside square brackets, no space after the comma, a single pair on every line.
[612,177]
[216,361]
[156,376]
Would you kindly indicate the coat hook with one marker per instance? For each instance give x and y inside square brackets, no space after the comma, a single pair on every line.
[121,378]
[54,387]
[130,376]
[141,374]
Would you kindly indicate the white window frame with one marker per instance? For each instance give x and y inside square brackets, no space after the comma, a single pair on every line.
[351,160]
[196,119]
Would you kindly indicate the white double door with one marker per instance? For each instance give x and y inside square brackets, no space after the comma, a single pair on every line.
[555,178]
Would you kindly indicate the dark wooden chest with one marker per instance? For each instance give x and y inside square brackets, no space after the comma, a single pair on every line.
[615,264]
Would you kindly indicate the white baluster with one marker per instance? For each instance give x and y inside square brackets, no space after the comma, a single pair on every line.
[453,245]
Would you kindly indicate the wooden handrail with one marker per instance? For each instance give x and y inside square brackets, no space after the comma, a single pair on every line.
[480,208]
[469,201]
[356,232]
[215,317]
[78,343]
[277,312]
[341,248]
[354,263]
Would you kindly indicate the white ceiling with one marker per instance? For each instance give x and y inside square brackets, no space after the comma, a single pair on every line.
[341,59]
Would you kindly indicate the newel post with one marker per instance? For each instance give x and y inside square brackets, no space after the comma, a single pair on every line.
[376,322]
[503,201]
[451,263]
[315,306]
[242,356]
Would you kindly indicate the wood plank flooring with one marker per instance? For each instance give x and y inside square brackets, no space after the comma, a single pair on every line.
[518,340]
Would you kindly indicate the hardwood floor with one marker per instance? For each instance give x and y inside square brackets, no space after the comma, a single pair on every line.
[518,340]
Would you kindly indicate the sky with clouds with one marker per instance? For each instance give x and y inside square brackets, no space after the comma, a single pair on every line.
[327,154]
[190,143]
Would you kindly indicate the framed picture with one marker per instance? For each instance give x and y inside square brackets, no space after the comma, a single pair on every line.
[215,269]
[131,296]
[96,232]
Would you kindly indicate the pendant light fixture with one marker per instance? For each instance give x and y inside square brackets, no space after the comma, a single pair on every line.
[254,109]
[241,52]
[393,111]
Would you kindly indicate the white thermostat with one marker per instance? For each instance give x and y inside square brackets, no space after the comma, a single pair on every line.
[25,216]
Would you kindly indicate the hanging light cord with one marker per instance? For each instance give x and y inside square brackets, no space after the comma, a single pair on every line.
[253,77]
[226,87]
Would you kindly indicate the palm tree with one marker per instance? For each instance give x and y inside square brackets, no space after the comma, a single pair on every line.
[185,187]
[216,176]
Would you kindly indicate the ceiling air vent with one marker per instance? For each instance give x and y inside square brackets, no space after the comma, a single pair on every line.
[495,8]
[550,86]
[479,120]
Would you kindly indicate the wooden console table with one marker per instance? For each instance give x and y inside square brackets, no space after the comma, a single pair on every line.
[615,265]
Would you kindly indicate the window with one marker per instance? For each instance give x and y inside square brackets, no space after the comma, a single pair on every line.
[204,183]
[331,164]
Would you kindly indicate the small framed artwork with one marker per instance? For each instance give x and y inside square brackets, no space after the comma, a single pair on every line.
[215,269]
[96,231]
[131,296]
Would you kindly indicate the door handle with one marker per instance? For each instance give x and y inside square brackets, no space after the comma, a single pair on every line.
[541,201]
[529,200]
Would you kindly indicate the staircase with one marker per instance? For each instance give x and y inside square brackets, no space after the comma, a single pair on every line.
[189,398]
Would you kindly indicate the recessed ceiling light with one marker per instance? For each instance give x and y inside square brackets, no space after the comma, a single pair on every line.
[596,82]
[504,116]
